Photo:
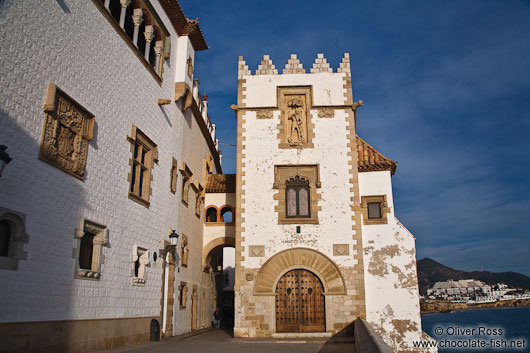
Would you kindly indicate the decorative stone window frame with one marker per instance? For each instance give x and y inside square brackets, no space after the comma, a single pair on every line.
[66,130]
[142,256]
[184,251]
[173,176]
[207,168]
[144,15]
[310,172]
[183,295]
[138,137]
[18,237]
[304,95]
[381,199]
[99,241]
[186,181]
[199,197]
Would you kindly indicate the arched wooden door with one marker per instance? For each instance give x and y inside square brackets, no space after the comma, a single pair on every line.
[300,303]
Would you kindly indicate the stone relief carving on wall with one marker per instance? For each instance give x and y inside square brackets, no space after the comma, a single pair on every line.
[264,114]
[67,129]
[325,113]
[296,114]
[295,128]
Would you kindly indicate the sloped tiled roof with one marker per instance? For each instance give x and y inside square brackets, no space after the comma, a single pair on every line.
[221,183]
[370,160]
[183,25]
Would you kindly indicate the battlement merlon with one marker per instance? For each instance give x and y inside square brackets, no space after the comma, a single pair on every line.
[328,87]
[293,66]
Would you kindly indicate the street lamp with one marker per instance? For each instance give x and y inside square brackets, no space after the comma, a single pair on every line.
[4,158]
[173,240]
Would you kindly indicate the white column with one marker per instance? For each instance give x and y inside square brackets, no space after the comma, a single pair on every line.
[137,18]
[107,3]
[195,89]
[149,34]
[124,4]
[158,52]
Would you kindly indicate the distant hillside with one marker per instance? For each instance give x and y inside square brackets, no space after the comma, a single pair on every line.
[430,271]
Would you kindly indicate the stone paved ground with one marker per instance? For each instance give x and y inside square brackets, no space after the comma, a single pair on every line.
[219,341]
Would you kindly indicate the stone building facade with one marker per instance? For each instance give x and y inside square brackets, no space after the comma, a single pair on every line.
[112,146]
[317,243]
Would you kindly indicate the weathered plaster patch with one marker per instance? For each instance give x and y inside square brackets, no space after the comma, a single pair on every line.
[378,266]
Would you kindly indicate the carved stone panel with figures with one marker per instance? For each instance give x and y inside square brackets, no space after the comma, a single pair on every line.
[66,131]
[295,128]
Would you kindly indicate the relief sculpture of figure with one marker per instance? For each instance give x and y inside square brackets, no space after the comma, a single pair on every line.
[295,121]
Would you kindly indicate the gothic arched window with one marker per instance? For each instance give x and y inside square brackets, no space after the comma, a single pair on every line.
[297,198]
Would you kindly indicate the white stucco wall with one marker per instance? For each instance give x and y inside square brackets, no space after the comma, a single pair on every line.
[79,50]
[262,153]
[392,295]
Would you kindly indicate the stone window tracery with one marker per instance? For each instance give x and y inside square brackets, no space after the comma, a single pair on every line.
[297,193]
[297,197]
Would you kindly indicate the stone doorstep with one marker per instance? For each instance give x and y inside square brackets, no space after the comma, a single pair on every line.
[301,334]
[188,334]
[300,340]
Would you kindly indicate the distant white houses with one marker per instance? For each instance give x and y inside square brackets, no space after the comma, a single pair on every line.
[473,291]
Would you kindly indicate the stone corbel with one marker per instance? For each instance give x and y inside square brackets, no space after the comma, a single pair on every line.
[183,90]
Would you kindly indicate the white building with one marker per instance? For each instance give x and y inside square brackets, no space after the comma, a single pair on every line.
[111,146]
[317,242]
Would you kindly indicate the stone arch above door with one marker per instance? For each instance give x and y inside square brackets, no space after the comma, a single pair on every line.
[299,258]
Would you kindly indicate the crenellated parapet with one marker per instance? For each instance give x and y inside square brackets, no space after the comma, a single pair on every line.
[294,66]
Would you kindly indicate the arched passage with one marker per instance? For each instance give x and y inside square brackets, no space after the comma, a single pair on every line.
[219,260]
[299,258]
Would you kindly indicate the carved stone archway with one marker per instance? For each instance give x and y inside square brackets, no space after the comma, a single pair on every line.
[299,258]
[221,241]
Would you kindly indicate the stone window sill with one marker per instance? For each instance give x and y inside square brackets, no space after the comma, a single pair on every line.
[137,281]
[82,273]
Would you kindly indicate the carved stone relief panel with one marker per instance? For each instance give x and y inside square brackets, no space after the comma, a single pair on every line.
[295,129]
[341,250]
[66,131]
[264,114]
[325,113]
[257,250]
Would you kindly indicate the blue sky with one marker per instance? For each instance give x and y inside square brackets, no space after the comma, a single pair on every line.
[446,86]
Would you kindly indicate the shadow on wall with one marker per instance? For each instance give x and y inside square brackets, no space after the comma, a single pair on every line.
[342,341]
[51,203]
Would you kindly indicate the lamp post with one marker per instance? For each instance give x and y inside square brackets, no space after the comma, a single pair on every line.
[173,240]
[4,158]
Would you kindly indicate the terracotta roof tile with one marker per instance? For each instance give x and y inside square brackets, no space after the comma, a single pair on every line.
[221,183]
[183,25]
[370,160]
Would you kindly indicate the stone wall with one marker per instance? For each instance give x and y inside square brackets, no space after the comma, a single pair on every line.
[332,232]
[74,46]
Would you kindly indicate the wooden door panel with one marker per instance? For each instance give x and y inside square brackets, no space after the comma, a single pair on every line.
[300,303]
